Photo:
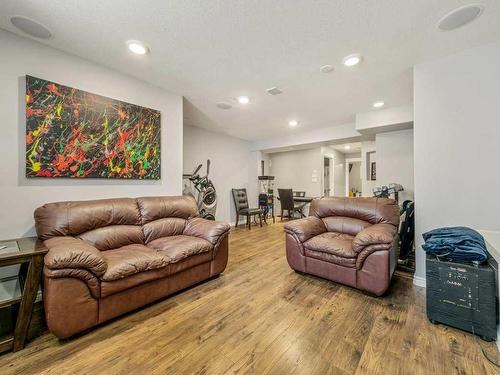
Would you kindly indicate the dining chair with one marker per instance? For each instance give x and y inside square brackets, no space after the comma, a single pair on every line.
[287,203]
[240,199]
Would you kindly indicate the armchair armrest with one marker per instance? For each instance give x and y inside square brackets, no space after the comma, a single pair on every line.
[306,228]
[209,230]
[70,252]
[378,234]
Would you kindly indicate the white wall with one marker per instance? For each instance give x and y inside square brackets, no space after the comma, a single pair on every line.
[457,135]
[233,165]
[338,188]
[395,161]
[295,169]
[20,196]
[311,138]
[383,120]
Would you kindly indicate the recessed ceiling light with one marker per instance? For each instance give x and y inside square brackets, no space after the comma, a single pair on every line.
[223,105]
[378,104]
[30,27]
[243,99]
[459,17]
[347,147]
[352,60]
[293,123]
[137,47]
[326,69]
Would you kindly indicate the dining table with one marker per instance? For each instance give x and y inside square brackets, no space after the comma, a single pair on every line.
[303,199]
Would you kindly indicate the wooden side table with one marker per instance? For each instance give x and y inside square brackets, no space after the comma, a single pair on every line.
[29,253]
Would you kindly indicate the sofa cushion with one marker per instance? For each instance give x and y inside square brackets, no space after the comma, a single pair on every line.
[75,218]
[154,208]
[338,244]
[169,226]
[177,248]
[131,259]
[113,236]
[347,225]
[111,287]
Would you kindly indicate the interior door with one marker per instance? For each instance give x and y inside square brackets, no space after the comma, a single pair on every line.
[326,177]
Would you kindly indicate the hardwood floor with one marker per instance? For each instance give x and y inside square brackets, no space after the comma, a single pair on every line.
[260,317]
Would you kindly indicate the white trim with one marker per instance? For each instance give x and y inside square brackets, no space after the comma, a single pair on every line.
[419,281]
[352,160]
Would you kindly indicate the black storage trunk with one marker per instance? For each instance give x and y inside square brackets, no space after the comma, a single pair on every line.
[463,295]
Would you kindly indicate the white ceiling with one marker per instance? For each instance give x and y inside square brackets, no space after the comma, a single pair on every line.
[214,50]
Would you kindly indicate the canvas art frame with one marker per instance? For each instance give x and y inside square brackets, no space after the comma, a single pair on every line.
[71,133]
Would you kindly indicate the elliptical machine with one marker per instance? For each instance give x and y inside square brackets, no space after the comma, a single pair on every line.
[202,190]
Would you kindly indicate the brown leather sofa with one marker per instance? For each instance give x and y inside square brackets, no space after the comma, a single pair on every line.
[107,257]
[348,240]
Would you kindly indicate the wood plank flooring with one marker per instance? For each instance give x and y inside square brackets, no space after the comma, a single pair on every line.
[260,317]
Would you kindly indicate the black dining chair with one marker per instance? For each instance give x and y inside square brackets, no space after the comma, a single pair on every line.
[288,204]
[300,194]
[241,204]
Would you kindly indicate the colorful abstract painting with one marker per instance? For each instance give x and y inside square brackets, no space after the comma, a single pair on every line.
[74,133]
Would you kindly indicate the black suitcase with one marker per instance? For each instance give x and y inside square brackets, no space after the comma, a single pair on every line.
[463,295]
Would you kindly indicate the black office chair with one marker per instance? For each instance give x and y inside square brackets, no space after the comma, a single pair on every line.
[241,204]
[287,203]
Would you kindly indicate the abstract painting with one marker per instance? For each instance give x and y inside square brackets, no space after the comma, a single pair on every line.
[77,134]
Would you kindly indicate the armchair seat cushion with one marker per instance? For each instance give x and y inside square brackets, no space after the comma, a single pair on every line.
[331,258]
[178,248]
[131,259]
[333,243]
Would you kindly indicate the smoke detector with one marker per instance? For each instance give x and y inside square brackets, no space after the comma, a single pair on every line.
[326,69]
[223,105]
[274,91]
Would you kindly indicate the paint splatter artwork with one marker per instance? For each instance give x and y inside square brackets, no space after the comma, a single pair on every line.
[74,133]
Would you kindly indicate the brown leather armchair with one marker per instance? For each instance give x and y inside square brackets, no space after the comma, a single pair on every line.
[348,240]
[107,257]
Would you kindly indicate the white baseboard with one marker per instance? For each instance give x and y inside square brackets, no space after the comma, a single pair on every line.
[419,281]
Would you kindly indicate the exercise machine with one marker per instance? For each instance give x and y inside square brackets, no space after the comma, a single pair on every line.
[202,190]
[386,191]
[406,259]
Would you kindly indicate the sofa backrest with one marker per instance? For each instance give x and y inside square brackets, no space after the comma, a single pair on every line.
[112,223]
[165,216]
[351,215]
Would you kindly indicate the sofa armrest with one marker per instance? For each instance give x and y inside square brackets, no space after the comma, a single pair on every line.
[306,228]
[378,234]
[70,252]
[212,231]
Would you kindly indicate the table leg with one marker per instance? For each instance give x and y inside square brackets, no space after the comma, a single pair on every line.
[28,299]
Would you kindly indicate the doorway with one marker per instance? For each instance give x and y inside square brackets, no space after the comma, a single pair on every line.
[353,177]
[327,172]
